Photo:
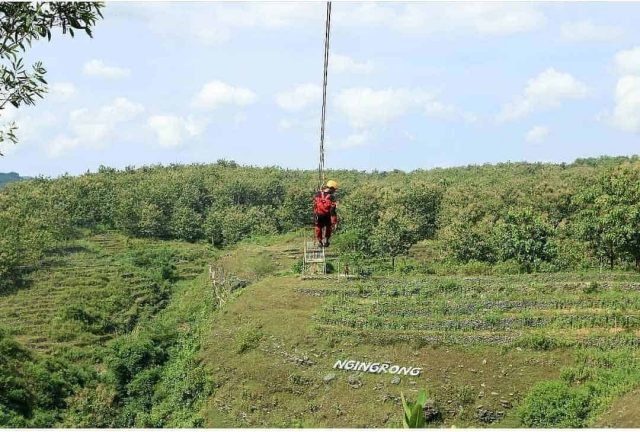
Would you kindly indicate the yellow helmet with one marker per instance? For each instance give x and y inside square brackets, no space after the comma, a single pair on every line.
[332,184]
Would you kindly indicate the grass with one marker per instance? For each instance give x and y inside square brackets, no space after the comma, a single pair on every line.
[93,291]
[255,389]
[485,342]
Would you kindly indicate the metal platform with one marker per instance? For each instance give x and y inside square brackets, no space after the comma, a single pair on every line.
[315,259]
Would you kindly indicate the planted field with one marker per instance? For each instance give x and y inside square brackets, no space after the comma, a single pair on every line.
[562,309]
[98,287]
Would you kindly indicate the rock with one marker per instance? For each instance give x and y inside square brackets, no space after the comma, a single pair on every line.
[494,394]
[328,378]
[505,403]
[484,362]
[487,416]
[431,411]
[395,380]
[354,381]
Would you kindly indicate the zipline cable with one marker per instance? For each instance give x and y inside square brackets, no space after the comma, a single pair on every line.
[324,96]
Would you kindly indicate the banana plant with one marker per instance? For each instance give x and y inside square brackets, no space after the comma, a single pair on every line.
[414,411]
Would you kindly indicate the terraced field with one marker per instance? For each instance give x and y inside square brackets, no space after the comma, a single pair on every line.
[562,309]
[94,289]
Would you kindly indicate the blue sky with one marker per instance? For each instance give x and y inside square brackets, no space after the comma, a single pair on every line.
[411,85]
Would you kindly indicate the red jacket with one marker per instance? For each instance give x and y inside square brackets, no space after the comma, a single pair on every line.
[324,204]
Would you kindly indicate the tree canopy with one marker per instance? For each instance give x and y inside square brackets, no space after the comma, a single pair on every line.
[22,23]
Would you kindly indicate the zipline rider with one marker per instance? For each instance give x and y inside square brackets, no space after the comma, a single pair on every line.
[324,213]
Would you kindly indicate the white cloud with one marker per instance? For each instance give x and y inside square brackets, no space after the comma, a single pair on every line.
[628,61]
[299,97]
[99,69]
[537,134]
[62,91]
[626,114]
[215,23]
[30,126]
[504,19]
[484,18]
[171,131]
[356,139]
[345,64]
[547,90]
[365,107]
[94,128]
[586,31]
[218,22]
[216,93]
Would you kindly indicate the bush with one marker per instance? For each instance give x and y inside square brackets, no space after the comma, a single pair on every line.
[592,288]
[555,404]
[538,342]
[577,375]
[508,267]
[297,266]
[248,339]
[475,268]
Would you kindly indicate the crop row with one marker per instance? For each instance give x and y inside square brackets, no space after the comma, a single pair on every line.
[450,307]
[424,289]
[604,342]
[574,321]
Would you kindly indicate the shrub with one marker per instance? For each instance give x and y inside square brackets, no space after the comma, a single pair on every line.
[592,288]
[465,394]
[507,267]
[297,266]
[555,404]
[248,339]
[538,342]
[475,268]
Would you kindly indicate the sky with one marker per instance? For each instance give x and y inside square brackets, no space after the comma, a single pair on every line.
[410,85]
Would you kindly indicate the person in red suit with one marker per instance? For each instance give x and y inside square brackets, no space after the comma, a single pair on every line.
[324,212]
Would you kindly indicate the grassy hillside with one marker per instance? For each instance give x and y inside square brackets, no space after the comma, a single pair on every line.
[88,307]
[485,344]
[265,357]
[92,290]
[514,288]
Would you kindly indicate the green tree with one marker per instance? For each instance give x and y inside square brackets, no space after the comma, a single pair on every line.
[21,23]
[469,242]
[186,224]
[610,217]
[395,233]
[297,208]
[524,237]
[421,201]
[152,221]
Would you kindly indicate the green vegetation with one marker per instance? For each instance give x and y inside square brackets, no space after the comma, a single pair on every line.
[414,411]
[22,24]
[514,285]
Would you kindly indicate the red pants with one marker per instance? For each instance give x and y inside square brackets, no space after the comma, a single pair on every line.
[323,222]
